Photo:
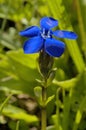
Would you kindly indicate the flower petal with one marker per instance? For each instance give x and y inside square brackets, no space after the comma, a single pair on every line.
[54,47]
[65,34]
[30,32]
[33,45]
[48,22]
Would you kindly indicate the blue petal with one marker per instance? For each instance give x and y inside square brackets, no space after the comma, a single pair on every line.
[54,47]
[33,45]
[65,34]
[48,22]
[30,32]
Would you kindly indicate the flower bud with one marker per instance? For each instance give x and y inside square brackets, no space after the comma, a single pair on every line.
[45,63]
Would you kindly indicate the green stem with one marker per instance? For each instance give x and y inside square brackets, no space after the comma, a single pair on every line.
[81,25]
[66,110]
[17,125]
[45,65]
[79,114]
[3,24]
[57,110]
[43,110]
[5,102]
[5,18]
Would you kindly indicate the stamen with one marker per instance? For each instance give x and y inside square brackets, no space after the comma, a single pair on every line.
[44,31]
[48,34]
[44,34]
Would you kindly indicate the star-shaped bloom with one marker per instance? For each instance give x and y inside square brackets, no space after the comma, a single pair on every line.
[41,38]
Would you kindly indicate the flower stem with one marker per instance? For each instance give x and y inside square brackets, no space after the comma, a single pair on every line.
[81,25]
[5,102]
[5,18]
[45,66]
[57,124]
[43,110]
[17,125]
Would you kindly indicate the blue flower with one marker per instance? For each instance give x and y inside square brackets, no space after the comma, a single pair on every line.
[41,38]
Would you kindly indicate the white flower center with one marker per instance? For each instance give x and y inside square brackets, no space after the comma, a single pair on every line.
[44,34]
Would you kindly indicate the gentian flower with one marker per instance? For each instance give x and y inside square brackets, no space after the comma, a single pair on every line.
[41,38]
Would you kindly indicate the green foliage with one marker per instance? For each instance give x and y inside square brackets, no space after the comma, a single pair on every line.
[16,71]
[64,23]
[17,113]
[50,128]
[66,107]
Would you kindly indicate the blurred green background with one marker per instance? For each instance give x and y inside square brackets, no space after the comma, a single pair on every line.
[18,72]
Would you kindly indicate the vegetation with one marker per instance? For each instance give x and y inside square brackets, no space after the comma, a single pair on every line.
[19,73]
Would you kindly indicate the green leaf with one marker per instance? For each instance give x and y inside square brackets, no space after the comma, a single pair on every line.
[50,128]
[49,99]
[19,71]
[24,59]
[79,113]
[79,91]
[51,76]
[59,12]
[38,91]
[54,118]
[17,113]
[67,83]
[7,90]
[7,43]
[8,39]
[22,125]
[5,102]
[38,94]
